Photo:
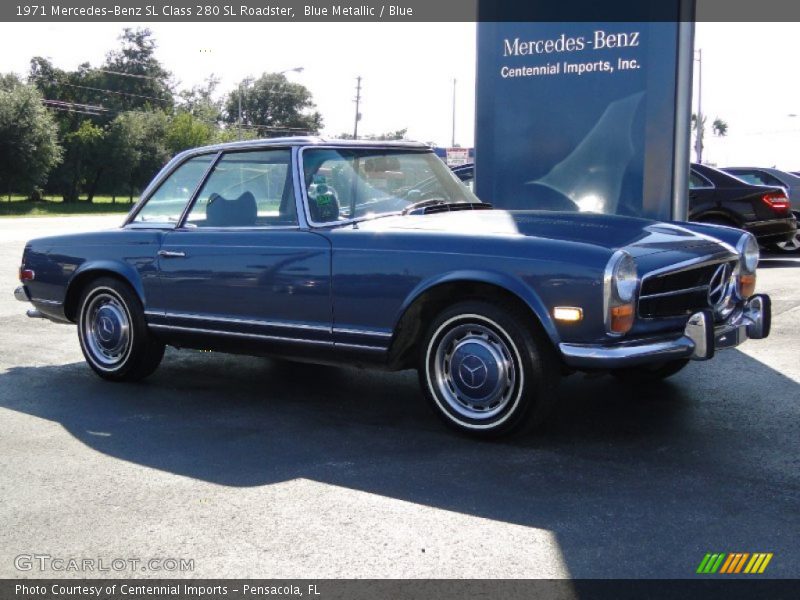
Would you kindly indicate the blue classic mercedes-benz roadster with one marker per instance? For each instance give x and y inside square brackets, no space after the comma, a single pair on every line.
[375,254]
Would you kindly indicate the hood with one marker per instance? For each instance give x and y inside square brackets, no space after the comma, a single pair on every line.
[640,237]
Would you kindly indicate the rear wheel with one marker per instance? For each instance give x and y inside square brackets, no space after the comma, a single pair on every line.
[790,246]
[487,370]
[650,373]
[113,333]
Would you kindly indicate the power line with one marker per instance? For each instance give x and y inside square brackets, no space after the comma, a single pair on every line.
[100,111]
[105,91]
[121,74]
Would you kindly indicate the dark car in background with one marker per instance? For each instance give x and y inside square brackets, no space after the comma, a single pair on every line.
[717,198]
[774,178]
[722,199]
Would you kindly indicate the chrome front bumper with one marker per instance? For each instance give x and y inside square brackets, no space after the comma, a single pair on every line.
[699,340]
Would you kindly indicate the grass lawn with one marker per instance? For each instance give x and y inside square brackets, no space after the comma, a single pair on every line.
[53,207]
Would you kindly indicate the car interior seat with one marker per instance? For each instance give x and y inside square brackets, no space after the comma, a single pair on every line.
[240,212]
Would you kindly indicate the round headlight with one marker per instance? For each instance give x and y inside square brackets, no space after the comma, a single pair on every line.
[624,278]
[748,252]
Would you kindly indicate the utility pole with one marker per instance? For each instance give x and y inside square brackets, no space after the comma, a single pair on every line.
[699,125]
[358,104]
[453,140]
[239,123]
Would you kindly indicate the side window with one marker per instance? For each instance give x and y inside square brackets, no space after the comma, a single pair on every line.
[697,181]
[771,180]
[167,203]
[247,189]
[748,177]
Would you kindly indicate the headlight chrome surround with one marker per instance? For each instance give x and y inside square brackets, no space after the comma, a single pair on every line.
[620,287]
[749,254]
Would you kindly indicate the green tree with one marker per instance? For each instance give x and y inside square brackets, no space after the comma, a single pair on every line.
[137,150]
[199,101]
[139,80]
[83,165]
[187,131]
[400,134]
[273,106]
[28,138]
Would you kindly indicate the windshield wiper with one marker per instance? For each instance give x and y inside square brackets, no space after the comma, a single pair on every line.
[423,204]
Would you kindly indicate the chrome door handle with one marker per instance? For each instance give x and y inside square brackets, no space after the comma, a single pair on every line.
[170,254]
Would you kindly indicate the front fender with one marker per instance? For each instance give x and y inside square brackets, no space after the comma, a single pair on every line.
[511,284]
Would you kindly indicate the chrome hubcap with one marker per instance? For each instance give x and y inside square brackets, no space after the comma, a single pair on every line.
[474,371]
[106,329]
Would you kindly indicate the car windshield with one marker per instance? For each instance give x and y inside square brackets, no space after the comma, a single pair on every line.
[347,184]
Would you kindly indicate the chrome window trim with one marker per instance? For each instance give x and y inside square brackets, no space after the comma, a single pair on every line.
[183,226]
[188,227]
[301,172]
[155,185]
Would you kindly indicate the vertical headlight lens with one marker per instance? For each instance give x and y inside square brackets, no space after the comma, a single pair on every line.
[625,279]
[621,283]
[748,252]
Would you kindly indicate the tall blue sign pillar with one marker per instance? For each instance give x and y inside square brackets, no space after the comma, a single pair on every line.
[588,116]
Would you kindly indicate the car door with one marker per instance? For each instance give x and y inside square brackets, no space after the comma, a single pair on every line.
[239,265]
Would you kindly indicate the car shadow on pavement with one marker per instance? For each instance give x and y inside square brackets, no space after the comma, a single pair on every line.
[638,482]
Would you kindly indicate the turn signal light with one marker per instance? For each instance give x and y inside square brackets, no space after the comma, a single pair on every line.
[570,314]
[747,285]
[777,201]
[621,318]
[26,274]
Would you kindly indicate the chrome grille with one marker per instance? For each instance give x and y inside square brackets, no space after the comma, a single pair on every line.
[679,293]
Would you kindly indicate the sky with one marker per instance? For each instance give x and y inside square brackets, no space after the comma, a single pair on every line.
[749,73]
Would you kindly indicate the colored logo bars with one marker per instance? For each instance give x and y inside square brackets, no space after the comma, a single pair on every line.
[734,562]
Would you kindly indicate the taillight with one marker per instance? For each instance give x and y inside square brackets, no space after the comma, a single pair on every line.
[777,201]
[26,274]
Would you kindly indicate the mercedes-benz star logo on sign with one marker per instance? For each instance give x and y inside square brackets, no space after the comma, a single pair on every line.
[718,286]
[473,371]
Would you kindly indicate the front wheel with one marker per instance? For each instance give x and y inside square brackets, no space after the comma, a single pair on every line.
[650,373]
[487,370]
[113,333]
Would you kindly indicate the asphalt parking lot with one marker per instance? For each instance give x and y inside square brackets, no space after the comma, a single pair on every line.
[255,468]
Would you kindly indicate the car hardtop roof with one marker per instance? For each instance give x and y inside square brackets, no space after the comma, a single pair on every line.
[304,141]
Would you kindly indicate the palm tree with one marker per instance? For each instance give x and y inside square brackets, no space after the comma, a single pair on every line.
[719,128]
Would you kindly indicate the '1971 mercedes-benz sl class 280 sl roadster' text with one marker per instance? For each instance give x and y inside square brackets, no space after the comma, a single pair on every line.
[374,254]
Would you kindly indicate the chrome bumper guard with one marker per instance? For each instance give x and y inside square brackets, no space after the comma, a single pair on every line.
[699,341]
[21,294]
